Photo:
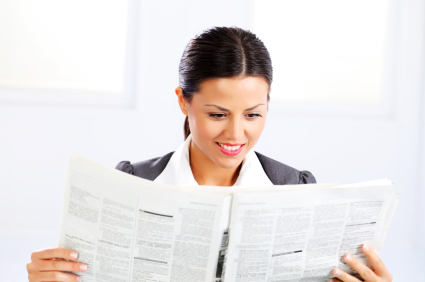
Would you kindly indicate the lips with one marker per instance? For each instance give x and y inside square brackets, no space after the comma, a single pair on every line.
[230,149]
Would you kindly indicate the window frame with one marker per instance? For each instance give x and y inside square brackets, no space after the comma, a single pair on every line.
[384,109]
[85,98]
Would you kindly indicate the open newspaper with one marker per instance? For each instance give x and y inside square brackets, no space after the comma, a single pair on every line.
[130,229]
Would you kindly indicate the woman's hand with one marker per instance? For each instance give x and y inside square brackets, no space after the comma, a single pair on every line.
[46,265]
[381,274]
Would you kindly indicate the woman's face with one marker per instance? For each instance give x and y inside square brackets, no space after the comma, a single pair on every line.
[227,117]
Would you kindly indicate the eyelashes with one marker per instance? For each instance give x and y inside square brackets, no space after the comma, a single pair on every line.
[254,115]
[221,116]
[217,116]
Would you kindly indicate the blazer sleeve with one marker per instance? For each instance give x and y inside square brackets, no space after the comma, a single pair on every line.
[148,169]
[125,166]
[306,177]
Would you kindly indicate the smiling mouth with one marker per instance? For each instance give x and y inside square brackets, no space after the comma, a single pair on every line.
[230,149]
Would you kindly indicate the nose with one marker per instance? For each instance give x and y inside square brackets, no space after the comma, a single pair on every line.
[235,129]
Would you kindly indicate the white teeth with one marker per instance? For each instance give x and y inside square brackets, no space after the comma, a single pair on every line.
[230,148]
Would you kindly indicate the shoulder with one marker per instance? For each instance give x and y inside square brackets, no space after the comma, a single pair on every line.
[148,169]
[278,173]
[282,174]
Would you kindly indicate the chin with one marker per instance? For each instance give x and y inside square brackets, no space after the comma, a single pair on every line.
[228,163]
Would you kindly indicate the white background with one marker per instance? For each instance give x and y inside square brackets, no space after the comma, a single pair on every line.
[38,132]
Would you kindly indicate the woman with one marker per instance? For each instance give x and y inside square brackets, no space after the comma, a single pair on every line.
[225,80]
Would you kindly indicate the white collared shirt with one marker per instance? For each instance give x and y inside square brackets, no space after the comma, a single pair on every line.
[178,171]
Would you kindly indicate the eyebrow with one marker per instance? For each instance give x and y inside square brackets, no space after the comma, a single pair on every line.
[223,109]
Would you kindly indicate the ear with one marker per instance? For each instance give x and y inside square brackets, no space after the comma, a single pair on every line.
[182,103]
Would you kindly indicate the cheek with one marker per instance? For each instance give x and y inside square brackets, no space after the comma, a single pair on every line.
[253,130]
[260,126]
[255,126]
[205,128]
[211,130]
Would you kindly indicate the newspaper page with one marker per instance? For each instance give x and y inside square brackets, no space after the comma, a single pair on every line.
[130,229]
[301,234]
[225,191]
[228,191]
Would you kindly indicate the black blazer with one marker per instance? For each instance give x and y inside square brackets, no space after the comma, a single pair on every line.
[278,173]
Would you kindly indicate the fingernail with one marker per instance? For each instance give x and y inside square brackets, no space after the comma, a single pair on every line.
[78,278]
[348,258]
[74,255]
[83,267]
[331,280]
[365,247]
[337,272]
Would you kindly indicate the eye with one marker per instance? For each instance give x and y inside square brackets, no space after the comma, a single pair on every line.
[217,116]
[253,116]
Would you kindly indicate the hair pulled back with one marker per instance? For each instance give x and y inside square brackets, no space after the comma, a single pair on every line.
[222,52]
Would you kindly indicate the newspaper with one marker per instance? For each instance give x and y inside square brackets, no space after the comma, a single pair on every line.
[131,229]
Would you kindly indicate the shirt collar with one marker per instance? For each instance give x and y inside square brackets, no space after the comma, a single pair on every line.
[178,171]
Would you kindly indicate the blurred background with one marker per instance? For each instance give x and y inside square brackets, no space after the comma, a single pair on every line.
[97,77]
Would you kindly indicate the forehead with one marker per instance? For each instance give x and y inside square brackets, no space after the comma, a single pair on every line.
[247,89]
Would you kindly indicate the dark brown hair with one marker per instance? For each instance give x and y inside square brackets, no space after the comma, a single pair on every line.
[221,52]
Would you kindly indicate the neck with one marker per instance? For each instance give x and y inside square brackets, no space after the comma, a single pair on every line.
[206,172]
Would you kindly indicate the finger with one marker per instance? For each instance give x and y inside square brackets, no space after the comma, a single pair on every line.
[365,272]
[377,264]
[53,276]
[54,253]
[57,265]
[344,276]
[334,280]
